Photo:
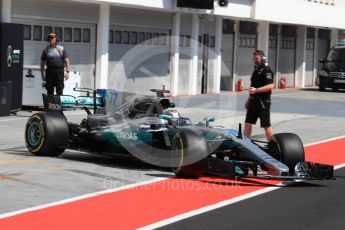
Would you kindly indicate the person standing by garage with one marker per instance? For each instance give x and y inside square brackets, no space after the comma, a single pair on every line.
[259,102]
[55,57]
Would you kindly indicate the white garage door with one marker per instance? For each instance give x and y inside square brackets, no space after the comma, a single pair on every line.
[273,49]
[272,53]
[185,50]
[287,60]
[244,66]
[323,45]
[287,55]
[142,37]
[309,66]
[227,59]
[139,58]
[78,39]
[206,54]
[74,22]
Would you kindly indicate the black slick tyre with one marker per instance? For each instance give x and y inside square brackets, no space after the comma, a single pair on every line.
[288,149]
[46,134]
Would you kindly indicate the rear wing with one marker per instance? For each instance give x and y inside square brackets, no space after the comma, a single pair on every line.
[52,103]
[81,101]
[55,103]
[94,99]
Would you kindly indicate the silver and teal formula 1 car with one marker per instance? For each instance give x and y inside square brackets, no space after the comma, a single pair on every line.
[150,129]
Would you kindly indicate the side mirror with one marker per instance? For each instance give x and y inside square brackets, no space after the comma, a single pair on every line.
[206,121]
[322,61]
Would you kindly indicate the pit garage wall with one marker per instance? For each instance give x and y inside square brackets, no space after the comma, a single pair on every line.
[53,15]
[139,50]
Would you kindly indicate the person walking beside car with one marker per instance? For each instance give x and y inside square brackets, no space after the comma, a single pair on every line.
[258,104]
[55,57]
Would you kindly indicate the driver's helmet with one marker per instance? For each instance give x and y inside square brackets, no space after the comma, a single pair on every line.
[172,113]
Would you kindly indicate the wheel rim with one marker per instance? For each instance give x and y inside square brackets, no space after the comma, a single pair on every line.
[34,134]
[177,155]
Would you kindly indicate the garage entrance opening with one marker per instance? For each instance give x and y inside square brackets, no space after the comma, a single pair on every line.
[205,58]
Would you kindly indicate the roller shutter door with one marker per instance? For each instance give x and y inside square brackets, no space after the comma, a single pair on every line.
[287,55]
[272,48]
[227,56]
[139,58]
[309,67]
[147,33]
[206,56]
[310,52]
[78,40]
[246,46]
[184,62]
[323,45]
[227,59]
[74,22]
[272,53]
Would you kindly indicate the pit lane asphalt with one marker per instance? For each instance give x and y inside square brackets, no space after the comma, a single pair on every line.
[303,205]
[27,181]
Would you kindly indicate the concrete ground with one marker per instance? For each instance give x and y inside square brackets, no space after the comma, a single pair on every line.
[27,180]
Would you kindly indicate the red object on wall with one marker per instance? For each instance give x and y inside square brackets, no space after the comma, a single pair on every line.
[282,83]
[239,85]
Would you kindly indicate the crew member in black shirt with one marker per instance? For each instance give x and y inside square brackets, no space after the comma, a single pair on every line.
[55,57]
[259,102]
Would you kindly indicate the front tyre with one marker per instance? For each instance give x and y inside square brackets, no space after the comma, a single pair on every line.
[46,134]
[182,145]
[288,149]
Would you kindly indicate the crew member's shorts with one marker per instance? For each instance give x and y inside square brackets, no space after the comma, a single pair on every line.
[55,78]
[259,108]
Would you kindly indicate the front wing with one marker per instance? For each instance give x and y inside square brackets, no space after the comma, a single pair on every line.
[303,170]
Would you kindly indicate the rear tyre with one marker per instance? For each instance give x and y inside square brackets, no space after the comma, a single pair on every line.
[183,145]
[288,149]
[46,134]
